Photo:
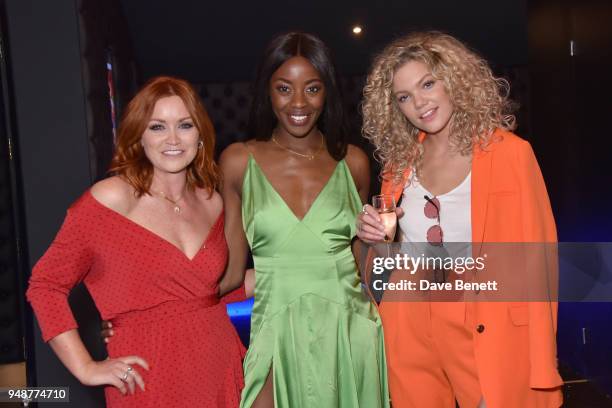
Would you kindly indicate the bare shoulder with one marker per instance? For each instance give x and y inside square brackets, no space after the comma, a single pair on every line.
[234,155]
[214,200]
[114,193]
[356,158]
[359,165]
[233,162]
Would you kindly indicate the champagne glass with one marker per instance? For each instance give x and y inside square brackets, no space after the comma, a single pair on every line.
[385,205]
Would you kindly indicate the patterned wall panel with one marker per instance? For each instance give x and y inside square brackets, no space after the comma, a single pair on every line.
[228,107]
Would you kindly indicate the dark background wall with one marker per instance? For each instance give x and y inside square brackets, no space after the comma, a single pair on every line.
[222,41]
[570,64]
[12,266]
[51,127]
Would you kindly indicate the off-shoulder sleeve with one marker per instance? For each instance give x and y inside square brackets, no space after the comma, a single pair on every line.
[63,265]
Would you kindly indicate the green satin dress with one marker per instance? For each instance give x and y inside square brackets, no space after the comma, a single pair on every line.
[311,323]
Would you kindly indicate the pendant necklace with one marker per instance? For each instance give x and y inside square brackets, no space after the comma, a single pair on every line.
[177,208]
[306,156]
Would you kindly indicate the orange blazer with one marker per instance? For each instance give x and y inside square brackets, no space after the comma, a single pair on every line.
[509,203]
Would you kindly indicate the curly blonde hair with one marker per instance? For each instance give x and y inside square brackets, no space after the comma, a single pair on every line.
[480,100]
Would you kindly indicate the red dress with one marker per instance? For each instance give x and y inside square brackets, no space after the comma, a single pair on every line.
[164,306]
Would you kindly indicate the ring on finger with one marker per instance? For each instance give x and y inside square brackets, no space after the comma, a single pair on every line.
[363,209]
[124,377]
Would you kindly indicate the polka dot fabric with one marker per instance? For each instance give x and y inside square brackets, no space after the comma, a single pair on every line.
[163,305]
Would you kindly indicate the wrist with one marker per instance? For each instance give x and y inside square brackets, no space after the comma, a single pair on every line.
[81,372]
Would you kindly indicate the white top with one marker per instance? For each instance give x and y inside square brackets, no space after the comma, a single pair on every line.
[455,212]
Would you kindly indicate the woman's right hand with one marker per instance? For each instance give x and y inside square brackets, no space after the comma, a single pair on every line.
[369,226]
[249,282]
[118,372]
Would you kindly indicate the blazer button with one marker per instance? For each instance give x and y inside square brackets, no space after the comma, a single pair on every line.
[480,328]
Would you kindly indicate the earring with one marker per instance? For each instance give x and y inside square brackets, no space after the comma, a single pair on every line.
[200,144]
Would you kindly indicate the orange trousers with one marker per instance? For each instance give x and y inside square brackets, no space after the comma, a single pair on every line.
[431,359]
[431,362]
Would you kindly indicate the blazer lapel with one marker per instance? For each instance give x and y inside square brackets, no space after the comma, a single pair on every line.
[395,189]
[481,181]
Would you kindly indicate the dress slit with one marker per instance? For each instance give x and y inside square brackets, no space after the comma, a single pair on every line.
[263,400]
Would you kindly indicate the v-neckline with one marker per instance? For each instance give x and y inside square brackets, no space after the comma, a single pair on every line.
[451,191]
[280,197]
[157,236]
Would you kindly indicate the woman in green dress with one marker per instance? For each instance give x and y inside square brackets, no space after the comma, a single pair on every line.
[292,195]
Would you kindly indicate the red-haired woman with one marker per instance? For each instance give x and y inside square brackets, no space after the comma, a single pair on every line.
[148,243]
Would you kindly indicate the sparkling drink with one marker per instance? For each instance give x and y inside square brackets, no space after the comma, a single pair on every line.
[389,221]
[385,205]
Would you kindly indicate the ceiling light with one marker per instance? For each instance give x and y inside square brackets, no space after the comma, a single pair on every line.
[357,30]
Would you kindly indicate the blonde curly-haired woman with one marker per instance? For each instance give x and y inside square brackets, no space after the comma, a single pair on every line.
[441,124]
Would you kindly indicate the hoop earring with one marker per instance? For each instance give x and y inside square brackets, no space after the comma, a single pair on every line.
[200,144]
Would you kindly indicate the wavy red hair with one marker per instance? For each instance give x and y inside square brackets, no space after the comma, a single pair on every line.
[130,161]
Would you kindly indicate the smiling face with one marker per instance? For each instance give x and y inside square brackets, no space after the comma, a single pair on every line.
[170,140]
[297,95]
[422,98]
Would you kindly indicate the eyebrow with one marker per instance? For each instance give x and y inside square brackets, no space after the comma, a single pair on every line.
[423,78]
[163,121]
[308,81]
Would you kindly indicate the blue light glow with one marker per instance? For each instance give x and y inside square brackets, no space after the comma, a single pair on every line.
[240,309]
